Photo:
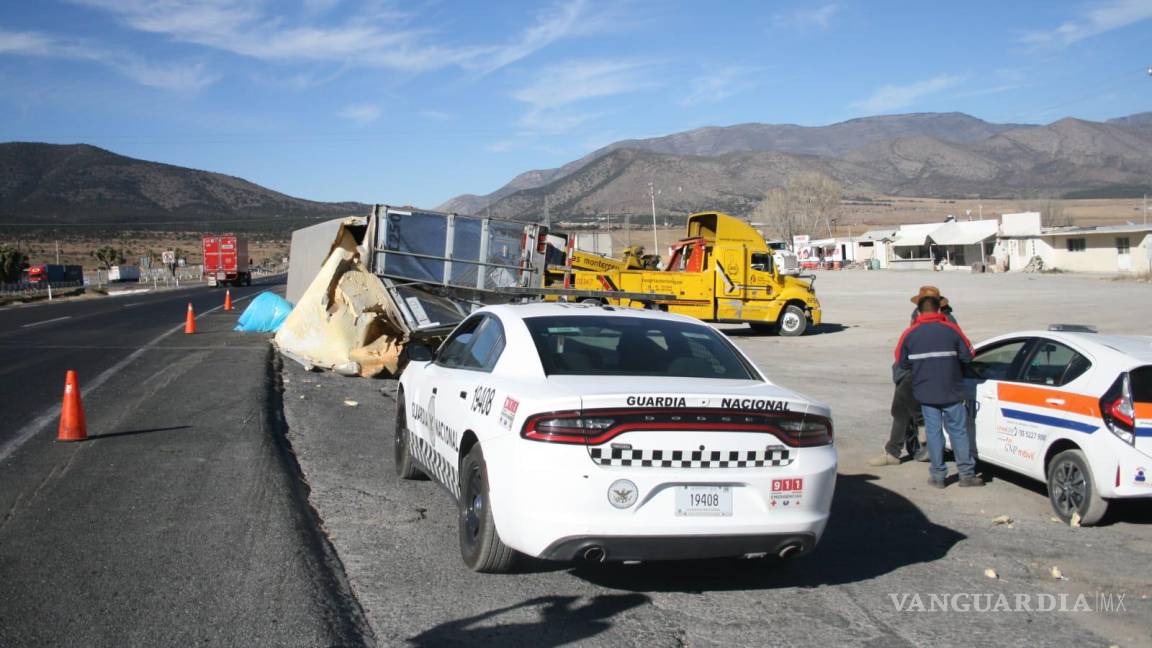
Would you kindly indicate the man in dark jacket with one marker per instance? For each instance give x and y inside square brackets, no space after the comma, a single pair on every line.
[935,350]
[906,417]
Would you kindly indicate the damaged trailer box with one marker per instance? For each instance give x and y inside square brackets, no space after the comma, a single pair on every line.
[395,276]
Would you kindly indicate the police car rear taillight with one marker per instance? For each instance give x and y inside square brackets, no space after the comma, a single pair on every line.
[811,431]
[1118,411]
[565,427]
[598,426]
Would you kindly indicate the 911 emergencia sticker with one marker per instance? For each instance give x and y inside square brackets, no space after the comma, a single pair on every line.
[787,492]
[508,412]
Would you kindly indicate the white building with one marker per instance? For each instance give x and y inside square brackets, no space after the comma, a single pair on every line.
[1105,248]
[950,245]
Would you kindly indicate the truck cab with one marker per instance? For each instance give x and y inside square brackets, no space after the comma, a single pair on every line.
[722,271]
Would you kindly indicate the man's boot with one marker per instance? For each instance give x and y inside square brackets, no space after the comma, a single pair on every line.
[884,459]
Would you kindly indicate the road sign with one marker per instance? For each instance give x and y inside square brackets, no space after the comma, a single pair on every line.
[168,257]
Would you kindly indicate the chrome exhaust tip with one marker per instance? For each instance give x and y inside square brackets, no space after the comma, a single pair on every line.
[789,550]
[595,554]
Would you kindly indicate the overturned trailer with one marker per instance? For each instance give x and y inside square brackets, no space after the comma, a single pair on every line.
[366,286]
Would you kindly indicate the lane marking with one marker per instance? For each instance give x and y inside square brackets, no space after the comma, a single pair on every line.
[136,304]
[52,413]
[47,321]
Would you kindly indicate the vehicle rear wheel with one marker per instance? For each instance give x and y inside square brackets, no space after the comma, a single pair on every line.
[793,322]
[1071,489]
[401,448]
[480,544]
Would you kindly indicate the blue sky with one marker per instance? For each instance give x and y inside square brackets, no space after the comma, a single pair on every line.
[415,102]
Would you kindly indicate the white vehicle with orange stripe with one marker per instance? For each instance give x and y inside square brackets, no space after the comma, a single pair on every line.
[1070,408]
[570,431]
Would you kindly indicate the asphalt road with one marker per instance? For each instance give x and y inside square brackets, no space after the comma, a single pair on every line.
[183,518]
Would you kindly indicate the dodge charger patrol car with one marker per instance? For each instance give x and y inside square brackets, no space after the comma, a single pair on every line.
[570,431]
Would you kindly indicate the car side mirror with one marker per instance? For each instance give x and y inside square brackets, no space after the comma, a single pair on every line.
[418,352]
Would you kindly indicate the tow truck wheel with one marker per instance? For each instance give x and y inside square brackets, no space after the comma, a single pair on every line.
[792,321]
[480,545]
[401,448]
[1071,489]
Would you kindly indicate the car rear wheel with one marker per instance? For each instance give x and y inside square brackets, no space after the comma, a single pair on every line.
[793,322]
[401,446]
[1071,489]
[480,544]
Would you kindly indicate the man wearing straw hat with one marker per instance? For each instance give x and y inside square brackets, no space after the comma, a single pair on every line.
[935,351]
[906,417]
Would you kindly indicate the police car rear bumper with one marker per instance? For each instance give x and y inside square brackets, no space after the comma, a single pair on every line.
[677,547]
[550,498]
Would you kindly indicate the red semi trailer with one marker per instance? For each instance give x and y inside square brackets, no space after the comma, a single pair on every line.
[226,260]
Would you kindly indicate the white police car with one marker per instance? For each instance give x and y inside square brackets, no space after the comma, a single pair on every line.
[586,432]
[1070,408]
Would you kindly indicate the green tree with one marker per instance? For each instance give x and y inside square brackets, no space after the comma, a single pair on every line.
[12,264]
[108,256]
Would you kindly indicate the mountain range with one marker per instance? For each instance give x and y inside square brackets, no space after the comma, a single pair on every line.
[943,155]
[51,184]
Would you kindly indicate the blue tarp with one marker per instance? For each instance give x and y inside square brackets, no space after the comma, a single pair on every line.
[265,314]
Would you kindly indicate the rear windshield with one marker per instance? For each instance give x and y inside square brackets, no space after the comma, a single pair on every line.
[633,346]
[1142,384]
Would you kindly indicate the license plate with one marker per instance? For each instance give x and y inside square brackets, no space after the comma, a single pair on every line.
[704,500]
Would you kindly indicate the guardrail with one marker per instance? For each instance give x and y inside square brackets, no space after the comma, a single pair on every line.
[38,287]
[26,290]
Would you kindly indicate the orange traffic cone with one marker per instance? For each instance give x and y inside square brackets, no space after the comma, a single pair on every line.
[72,426]
[227,300]
[190,321]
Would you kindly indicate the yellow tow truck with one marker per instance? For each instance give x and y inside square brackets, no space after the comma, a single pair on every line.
[722,271]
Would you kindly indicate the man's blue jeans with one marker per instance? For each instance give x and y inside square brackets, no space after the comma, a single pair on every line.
[954,418]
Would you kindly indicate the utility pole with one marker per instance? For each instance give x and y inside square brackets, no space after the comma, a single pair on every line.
[652,196]
[547,217]
[58,241]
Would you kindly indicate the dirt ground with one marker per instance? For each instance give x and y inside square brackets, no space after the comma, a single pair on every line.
[265,249]
[847,365]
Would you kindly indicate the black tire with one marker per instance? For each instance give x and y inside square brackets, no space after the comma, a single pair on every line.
[1072,490]
[793,321]
[480,545]
[762,328]
[401,448]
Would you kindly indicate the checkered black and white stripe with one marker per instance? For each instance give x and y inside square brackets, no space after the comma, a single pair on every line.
[435,464]
[692,458]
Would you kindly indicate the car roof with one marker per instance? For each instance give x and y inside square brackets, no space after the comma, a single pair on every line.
[1126,349]
[546,309]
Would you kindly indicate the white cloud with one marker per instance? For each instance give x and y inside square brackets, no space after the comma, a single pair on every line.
[1098,19]
[559,86]
[438,115]
[553,24]
[371,39]
[183,77]
[362,113]
[573,81]
[810,18]
[720,84]
[893,97]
